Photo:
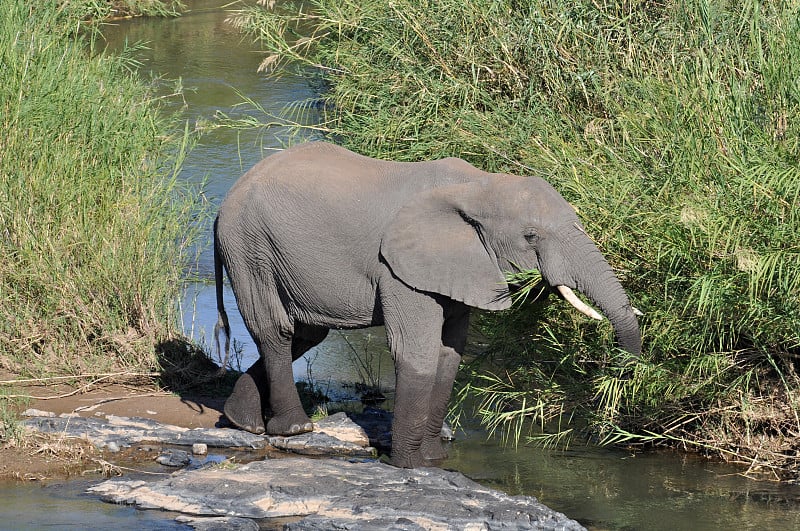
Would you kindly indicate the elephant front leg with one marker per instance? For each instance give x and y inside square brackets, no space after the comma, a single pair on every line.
[412,445]
[432,450]
[422,394]
[454,339]
[414,327]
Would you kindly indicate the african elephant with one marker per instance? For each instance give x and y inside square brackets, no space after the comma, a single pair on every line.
[317,237]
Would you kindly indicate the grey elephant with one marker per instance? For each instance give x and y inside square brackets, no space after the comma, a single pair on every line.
[317,237]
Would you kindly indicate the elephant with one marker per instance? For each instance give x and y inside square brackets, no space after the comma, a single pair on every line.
[317,237]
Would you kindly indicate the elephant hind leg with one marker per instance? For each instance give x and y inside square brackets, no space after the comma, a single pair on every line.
[249,403]
[245,406]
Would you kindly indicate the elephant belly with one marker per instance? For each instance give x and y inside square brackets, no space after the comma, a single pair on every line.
[334,304]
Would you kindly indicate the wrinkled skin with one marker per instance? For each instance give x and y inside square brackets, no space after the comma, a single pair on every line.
[317,237]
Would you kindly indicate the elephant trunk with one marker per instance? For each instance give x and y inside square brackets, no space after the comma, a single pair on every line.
[592,275]
[603,288]
[619,312]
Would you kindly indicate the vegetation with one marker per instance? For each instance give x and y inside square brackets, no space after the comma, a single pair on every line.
[673,127]
[94,226]
[85,10]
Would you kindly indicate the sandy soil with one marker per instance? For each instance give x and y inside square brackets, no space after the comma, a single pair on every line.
[39,458]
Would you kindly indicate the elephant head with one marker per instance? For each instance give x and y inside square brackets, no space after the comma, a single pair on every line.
[458,240]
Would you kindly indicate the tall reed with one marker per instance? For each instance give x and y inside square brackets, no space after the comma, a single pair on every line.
[673,128]
[94,226]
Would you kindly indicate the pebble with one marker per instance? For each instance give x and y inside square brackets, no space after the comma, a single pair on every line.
[199,449]
[173,458]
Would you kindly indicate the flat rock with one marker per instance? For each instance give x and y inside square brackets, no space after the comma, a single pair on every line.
[319,444]
[340,426]
[336,494]
[334,435]
[223,523]
[113,431]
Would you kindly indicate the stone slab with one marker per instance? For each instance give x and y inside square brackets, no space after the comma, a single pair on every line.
[337,494]
[113,432]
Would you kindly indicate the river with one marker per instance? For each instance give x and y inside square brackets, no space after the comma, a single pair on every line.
[601,488]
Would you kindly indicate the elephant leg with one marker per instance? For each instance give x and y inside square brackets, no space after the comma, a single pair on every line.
[245,406]
[414,329]
[288,416]
[273,331]
[454,339]
[248,404]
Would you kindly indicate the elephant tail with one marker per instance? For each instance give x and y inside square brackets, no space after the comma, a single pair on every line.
[222,316]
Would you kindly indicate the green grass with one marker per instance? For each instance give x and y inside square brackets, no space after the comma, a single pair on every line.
[672,127]
[94,226]
[91,10]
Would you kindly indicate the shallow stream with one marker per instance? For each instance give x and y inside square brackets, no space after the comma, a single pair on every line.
[601,488]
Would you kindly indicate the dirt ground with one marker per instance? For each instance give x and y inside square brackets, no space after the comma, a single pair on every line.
[40,458]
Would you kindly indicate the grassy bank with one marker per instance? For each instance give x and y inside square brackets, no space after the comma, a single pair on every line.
[93,224]
[96,10]
[673,128]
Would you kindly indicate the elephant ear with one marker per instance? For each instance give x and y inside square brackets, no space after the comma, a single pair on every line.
[434,244]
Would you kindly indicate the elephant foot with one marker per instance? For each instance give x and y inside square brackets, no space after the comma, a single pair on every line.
[416,460]
[289,424]
[432,451]
[405,462]
[243,407]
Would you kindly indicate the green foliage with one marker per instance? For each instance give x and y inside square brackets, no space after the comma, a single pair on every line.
[11,429]
[91,10]
[93,223]
[672,127]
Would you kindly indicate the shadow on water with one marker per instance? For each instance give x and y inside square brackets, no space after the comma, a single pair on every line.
[602,488]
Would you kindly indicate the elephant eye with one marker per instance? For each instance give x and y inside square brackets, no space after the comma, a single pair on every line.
[531,237]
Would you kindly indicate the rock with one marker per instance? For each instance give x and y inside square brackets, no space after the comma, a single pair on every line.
[331,493]
[37,413]
[124,431]
[319,444]
[199,449]
[225,523]
[173,458]
[343,428]
[333,435]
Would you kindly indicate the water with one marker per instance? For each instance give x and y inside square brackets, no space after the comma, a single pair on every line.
[602,488]
[63,505]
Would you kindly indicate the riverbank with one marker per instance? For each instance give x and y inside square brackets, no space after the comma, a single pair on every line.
[96,226]
[40,457]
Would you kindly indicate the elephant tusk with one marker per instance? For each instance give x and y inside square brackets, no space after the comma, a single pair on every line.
[637,311]
[579,305]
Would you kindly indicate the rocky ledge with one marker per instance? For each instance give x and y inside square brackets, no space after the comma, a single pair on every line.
[336,494]
[300,492]
[333,435]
